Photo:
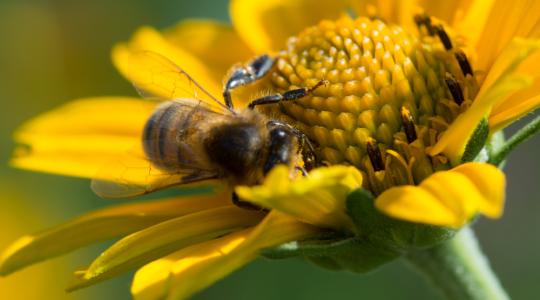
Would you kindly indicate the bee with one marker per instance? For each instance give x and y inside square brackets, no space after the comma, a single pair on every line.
[192,137]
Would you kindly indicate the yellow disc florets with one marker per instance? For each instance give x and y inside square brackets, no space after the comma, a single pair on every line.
[389,95]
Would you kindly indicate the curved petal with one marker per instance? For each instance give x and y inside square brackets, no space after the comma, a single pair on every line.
[194,269]
[266,25]
[491,182]
[507,20]
[500,119]
[317,199]
[448,198]
[164,238]
[149,39]
[522,102]
[153,280]
[101,225]
[77,138]
[504,79]
[215,44]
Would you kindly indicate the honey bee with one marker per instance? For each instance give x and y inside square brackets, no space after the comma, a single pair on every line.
[191,136]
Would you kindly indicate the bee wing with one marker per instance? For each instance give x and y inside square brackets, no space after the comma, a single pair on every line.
[156,77]
[132,174]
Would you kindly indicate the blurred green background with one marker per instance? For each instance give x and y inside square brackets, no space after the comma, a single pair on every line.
[54,51]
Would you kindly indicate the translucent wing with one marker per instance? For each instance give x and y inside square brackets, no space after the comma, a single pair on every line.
[132,174]
[170,152]
[155,76]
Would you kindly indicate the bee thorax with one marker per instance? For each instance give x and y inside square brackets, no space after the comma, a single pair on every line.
[236,149]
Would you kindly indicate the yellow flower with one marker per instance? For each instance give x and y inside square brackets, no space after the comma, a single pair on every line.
[184,245]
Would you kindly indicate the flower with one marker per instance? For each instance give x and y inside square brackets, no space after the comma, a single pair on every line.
[184,245]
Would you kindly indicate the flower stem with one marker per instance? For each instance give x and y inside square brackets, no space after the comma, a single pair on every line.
[459,269]
[519,137]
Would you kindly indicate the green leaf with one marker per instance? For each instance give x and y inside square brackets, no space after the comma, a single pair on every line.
[476,142]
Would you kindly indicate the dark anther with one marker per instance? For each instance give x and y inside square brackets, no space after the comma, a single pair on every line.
[455,88]
[408,124]
[443,36]
[424,19]
[464,63]
[419,20]
[374,154]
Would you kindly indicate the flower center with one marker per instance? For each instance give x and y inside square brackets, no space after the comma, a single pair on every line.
[390,95]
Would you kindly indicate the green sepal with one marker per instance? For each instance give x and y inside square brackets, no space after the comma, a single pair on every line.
[396,234]
[355,254]
[380,239]
[476,142]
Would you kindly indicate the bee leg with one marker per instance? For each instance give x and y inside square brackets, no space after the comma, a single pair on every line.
[245,204]
[306,146]
[287,96]
[243,75]
[302,170]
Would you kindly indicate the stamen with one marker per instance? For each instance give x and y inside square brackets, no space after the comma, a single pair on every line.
[443,36]
[424,19]
[408,124]
[464,63]
[455,88]
[419,20]
[374,154]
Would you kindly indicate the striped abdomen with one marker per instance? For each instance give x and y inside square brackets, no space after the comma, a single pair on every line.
[173,134]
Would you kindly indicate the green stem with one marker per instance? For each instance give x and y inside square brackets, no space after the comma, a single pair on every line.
[459,269]
[519,137]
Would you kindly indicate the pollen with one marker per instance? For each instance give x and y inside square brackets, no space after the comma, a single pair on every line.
[389,94]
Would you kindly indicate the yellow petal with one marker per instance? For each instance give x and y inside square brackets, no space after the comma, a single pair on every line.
[101,225]
[213,261]
[469,17]
[77,138]
[507,20]
[500,119]
[266,25]
[449,10]
[317,199]
[149,39]
[522,102]
[215,44]
[518,57]
[164,238]
[503,80]
[490,181]
[153,280]
[448,198]
[393,11]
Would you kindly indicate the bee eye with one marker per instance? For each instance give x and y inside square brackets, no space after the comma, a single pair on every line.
[280,148]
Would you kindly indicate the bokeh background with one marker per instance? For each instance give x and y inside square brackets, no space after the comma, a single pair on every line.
[57,50]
